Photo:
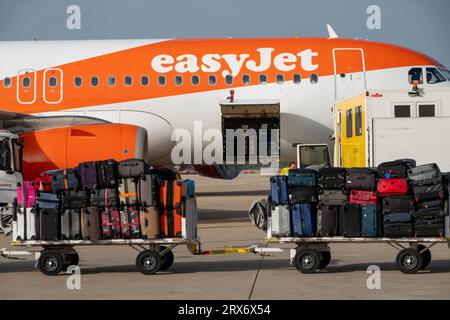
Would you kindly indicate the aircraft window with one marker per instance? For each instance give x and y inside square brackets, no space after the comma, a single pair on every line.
[229,79]
[246,79]
[26,82]
[402,111]
[314,78]
[446,73]
[415,74]
[195,80]
[262,78]
[297,78]
[52,82]
[162,80]
[178,80]
[280,79]
[349,123]
[144,81]
[94,81]
[78,81]
[426,110]
[358,121]
[212,80]
[128,81]
[7,82]
[111,81]
[434,76]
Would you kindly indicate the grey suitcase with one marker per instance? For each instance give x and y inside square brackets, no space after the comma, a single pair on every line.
[189,219]
[333,198]
[70,224]
[18,222]
[281,222]
[147,187]
[424,172]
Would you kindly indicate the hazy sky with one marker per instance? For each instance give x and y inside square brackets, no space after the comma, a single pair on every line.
[417,24]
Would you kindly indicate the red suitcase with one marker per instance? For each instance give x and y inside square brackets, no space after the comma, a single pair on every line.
[110,223]
[363,197]
[43,182]
[391,187]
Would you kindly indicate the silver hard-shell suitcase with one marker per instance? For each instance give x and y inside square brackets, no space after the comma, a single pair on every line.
[70,224]
[281,222]
[189,219]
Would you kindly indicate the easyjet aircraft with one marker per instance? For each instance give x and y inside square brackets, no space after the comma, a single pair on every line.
[162,85]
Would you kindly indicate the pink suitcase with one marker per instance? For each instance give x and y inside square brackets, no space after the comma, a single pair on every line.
[130,223]
[31,194]
[110,223]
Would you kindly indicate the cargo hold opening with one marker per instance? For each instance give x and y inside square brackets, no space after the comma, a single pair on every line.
[259,121]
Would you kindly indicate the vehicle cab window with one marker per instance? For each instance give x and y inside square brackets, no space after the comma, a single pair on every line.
[415,75]
[434,76]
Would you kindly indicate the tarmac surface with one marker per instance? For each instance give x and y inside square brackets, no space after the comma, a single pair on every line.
[110,273]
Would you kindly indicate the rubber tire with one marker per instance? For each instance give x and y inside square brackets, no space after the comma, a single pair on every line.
[153,257]
[167,259]
[325,259]
[412,253]
[312,266]
[426,255]
[56,258]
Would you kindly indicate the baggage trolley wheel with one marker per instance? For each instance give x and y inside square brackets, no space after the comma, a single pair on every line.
[308,261]
[409,260]
[167,259]
[325,259]
[148,262]
[51,262]
[426,255]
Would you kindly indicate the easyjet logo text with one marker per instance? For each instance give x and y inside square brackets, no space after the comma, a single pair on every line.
[232,64]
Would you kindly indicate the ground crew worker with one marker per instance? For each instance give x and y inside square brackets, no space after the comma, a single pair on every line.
[285,170]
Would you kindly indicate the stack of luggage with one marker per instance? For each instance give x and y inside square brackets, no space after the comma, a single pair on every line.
[106,200]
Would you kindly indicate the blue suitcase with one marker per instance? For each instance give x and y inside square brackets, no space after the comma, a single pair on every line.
[302,217]
[45,200]
[190,188]
[302,178]
[370,220]
[279,190]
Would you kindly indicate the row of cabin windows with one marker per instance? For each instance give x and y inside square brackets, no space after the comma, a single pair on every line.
[178,80]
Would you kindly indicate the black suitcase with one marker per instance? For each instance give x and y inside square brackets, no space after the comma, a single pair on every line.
[431,204]
[398,217]
[350,220]
[393,170]
[300,195]
[398,229]
[429,227]
[48,224]
[428,190]
[105,198]
[107,174]
[410,163]
[398,204]
[361,179]
[332,178]
[75,199]
[327,221]
[429,214]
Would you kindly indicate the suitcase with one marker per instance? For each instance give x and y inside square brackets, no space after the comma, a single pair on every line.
[410,163]
[90,223]
[127,192]
[350,220]
[43,182]
[305,178]
[88,175]
[303,194]
[65,179]
[104,198]
[333,198]
[70,224]
[172,192]
[280,221]
[18,222]
[363,197]
[331,178]
[75,199]
[45,200]
[302,217]
[131,168]
[391,187]
[171,222]
[428,229]
[398,204]
[327,221]
[371,220]
[111,227]
[107,174]
[393,170]
[279,190]
[30,218]
[189,219]
[429,214]
[397,217]
[30,194]
[190,187]
[398,229]
[48,224]
[434,189]
[431,204]
[150,225]
[424,172]
[361,179]
[147,190]
[129,223]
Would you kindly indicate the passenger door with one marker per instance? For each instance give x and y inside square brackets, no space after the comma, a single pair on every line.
[349,72]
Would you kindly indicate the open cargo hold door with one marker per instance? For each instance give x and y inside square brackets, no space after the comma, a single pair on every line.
[253,126]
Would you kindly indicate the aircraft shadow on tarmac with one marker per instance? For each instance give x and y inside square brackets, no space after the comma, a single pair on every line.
[222,216]
[233,193]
